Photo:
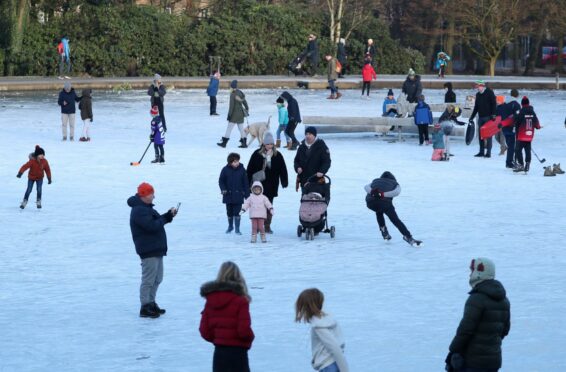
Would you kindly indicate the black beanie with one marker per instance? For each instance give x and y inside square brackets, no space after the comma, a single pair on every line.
[280,100]
[234,84]
[525,101]
[38,151]
[311,130]
[390,93]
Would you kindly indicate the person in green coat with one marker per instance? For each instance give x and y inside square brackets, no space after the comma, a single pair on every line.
[237,111]
[332,75]
[476,347]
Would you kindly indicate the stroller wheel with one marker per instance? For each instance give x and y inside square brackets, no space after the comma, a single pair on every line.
[299,231]
[332,232]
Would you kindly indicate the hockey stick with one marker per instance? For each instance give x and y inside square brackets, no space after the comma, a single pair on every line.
[539,159]
[136,163]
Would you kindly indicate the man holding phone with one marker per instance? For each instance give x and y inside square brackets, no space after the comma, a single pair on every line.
[150,240]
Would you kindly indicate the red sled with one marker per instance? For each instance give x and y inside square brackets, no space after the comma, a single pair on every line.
[491,127]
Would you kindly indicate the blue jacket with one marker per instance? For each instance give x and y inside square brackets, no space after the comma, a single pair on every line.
[66,48]
[438,139]
[511,108]
[147,226]
[423,115]
[69,97]
[234,184]
[212,89]
[386,102]
[283,116]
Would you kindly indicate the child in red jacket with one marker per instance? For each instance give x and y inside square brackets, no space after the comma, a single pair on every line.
[226,320]
[368,74]
[37,166]
[525,124]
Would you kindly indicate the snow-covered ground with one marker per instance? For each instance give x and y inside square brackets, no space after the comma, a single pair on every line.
[70,277]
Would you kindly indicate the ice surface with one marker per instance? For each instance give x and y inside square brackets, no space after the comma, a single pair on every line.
[70,277]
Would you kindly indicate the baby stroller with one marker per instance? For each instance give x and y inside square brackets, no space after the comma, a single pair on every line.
[312,212]
[296,65]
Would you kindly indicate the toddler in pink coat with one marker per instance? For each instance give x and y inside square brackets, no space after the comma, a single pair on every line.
[258,204]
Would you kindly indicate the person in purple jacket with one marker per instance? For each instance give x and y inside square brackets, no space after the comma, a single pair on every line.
[157,136]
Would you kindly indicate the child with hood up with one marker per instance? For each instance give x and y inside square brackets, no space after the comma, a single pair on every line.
[85,105]
[259,206]
[37,166]
[423,118]
[379,198]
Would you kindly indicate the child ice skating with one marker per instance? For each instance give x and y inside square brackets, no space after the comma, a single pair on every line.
[259,207]
[234,187]
[85,105]
[283,121]
[327,341]
[157,136]
[38,166]
[368,74]
[438,147]
[423,118]
[379,198]
[525,124]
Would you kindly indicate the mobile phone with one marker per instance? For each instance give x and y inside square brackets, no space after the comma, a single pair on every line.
[178,206]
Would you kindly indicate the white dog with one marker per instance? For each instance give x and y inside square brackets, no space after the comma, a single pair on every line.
[257,130]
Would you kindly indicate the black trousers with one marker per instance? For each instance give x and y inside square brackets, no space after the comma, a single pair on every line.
[290,130]
[230,359]
[159,150]
[519,152]
[423,133]
[485,144]
[385,207]
[233,210]
[212,105]
[366,85]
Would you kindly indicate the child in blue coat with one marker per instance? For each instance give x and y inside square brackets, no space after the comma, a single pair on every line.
[423,118]
[283,121]
[157,135]
[212,91]
[389,100]
[234,187]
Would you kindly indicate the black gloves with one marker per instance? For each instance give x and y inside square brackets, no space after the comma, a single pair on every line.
[168,216]
[49,181]
[19,175]
[151,138]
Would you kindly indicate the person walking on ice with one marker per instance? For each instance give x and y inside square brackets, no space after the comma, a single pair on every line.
[38,166]
[85,106]
[379,198]
[237,112]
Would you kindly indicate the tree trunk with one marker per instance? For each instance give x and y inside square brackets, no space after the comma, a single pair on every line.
[450,45]
[516,55]
[18,22]
[535,47]
[491,62]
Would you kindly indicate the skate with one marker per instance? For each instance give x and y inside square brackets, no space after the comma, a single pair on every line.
[24,203]
[385,233]
[519,168]
[527,166]
[162,160]
[64,139]
[38,203]
[254,238]
[72,138]
[413,242]
[148,311]
[156,160]
[263,239]
[556,169]
[82,139]
[547,172]
[332,96]
[338,95]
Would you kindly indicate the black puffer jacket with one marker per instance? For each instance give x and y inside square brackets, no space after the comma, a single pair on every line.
[292,107]
[277,171]
[413,88]
[147,226]
[381,191]
[312,160]
[485,323]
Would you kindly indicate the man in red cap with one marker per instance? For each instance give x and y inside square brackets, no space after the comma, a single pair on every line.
[148,233]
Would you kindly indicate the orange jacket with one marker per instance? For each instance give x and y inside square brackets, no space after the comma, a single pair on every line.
[36,168]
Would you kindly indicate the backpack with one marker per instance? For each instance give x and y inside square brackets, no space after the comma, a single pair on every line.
[60,48]
[338,66]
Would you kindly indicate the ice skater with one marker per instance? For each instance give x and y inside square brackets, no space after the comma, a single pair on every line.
[259,207]
[438,145]
[38,166]
[327,341]
[157,136]
[525,124]
[379,198]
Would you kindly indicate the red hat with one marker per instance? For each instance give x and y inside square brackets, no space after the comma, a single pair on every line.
[500,100]
[145,189]
[525,101]
[154,111]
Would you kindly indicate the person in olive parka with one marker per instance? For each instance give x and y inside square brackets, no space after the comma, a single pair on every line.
[313,157]
[477,344]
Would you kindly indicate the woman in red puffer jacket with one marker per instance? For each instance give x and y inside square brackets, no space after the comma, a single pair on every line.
[226,320]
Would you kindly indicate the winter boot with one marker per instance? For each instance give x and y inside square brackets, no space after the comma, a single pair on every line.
[64,138]
[547,172]
[294,146]
[223,142]
[385,233]
[527,166]
[332,96]
[411,241]
[289,145]
[88,139]
[254,238]
[230,225]
[72,138]
[24,203]
[147,311]
[278,143]
[158,309]
[338,95]
[161,159]
[502,150]
[156,160]
[38,203]
[263,239]
[556,169]
[82,139]
[479,154]
[267,224]
[237,224]
[243,144]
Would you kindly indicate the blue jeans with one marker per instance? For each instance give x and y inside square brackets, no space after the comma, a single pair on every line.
[282,128]
[510,140]
[331,368]
[30,187]
[332,86]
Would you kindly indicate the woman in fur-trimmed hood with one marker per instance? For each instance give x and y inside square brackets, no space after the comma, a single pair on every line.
[226,320]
